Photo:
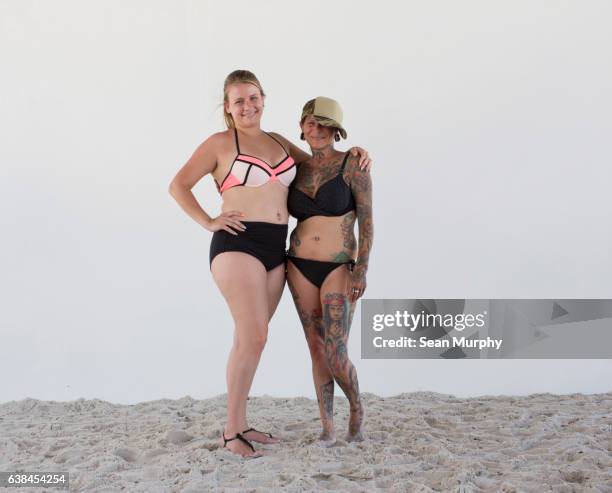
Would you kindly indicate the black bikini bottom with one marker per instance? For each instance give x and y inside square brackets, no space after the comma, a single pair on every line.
[317,270]
[264,241]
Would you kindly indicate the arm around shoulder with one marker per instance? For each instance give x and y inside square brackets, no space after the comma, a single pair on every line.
[360,181]
[295,152]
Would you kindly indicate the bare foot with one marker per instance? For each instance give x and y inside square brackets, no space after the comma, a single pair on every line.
[260,437]
[327,439]
[354,437]
[237,446]
[354,430]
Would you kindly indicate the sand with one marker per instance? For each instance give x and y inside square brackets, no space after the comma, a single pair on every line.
[417,442]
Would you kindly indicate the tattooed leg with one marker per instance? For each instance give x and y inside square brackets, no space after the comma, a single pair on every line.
[322,376]
[326,407]
[308,305]
[356,409]
[336,316]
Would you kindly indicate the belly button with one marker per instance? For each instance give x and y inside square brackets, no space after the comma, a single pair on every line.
[278,216]
[316,238]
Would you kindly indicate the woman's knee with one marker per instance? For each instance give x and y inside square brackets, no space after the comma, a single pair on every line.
[252,339]
[336,359]
[317,350]
[335,367]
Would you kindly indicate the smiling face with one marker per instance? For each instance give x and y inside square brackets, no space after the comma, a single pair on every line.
[245,103]
[318,136]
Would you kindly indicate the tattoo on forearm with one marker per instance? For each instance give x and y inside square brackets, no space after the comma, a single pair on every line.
[361,185]
[348,235]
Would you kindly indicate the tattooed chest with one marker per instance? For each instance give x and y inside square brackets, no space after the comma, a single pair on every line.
[309,179]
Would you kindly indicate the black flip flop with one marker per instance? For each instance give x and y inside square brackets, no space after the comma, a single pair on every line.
[237,437]
[262,432]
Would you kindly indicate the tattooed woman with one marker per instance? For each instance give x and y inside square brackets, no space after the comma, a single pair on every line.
[328,195]
[247,251]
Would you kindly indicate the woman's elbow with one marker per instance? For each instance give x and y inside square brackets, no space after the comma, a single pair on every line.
[175,187]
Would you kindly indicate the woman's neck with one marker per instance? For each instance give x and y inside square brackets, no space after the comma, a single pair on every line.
[323,153]
[253,131]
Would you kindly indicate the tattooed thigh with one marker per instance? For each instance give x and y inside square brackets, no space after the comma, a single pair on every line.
[307,304]
[335,324]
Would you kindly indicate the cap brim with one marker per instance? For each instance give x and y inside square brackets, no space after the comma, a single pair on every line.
[327,122]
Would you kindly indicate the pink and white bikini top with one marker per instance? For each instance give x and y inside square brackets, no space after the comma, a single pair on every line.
[250,171]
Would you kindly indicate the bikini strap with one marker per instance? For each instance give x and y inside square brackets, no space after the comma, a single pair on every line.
[236,138]
[278,142]
[346,156]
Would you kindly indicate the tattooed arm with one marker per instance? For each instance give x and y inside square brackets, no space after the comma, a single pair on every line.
[361,186]
[299,156]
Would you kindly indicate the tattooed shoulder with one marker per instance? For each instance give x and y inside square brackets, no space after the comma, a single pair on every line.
[359,179]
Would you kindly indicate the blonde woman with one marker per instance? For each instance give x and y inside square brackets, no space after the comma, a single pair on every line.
[253,170]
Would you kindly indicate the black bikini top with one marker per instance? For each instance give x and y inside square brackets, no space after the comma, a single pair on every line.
[334,198]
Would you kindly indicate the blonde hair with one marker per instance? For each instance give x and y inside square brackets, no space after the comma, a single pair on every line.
[238,77]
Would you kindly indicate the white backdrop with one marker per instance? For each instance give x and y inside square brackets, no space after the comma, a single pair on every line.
[489,123]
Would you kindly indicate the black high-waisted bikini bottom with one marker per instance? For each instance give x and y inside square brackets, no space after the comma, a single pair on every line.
[317,270]
[264,241]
